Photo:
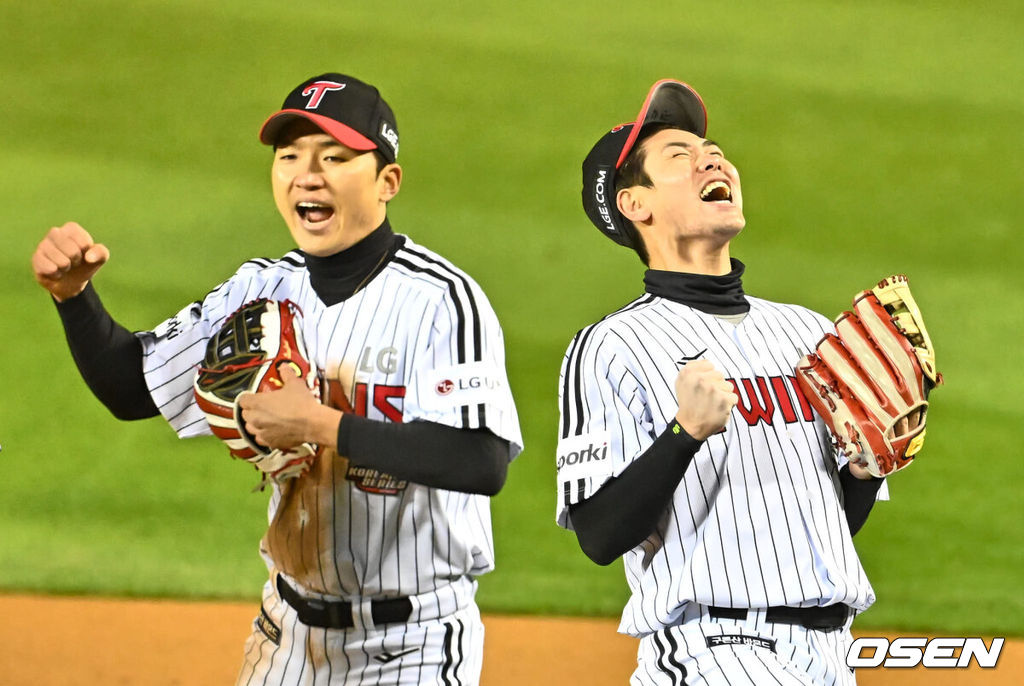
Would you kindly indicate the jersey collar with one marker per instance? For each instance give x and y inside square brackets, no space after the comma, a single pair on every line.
[337,277]
[709,294]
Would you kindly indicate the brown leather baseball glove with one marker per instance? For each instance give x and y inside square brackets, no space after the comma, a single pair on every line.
[246,356]
[870,383]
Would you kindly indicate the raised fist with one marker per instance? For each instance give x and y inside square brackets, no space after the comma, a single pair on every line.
[66,259]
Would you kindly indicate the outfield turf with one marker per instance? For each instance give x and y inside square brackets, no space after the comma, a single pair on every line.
[872,137]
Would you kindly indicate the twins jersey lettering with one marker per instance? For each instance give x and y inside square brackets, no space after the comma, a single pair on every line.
[419,342]
[757,519]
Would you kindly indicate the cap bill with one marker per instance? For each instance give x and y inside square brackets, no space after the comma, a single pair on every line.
[335,129]
[668,102]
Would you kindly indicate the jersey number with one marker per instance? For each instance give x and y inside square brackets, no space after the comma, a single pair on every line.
[382,399]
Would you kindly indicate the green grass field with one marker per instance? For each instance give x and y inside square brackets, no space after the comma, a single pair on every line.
[873,137]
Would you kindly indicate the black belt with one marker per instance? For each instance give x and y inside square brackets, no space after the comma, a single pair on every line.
[329,614]
[825,618]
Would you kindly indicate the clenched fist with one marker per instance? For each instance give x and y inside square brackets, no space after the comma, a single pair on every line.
[66,259]
[289,416]
[705,399]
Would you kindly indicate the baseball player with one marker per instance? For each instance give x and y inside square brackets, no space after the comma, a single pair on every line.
[685,445]
[373,553]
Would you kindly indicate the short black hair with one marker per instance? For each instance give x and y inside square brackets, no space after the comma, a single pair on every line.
[632,173]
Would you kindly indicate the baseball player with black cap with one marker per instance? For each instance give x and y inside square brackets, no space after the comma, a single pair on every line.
[373,553]
[685,445]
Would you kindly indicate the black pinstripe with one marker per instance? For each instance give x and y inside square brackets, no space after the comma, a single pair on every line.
[672,658]
[662,661]
[475,318]
[449,657]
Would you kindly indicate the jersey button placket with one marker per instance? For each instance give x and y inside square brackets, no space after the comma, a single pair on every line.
[748,352]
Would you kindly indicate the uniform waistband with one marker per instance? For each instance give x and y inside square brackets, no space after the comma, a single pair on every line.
[826,618]
[329,613]
[338,614]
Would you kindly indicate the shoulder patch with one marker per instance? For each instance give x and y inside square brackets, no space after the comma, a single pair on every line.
[170,328]
[462,384]
[584,456]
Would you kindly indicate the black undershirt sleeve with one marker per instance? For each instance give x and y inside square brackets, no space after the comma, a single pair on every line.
[108,356]
[859,497]
[626,509]
[427,453]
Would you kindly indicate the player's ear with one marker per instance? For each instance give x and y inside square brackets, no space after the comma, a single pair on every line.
[632,203]
[389,180]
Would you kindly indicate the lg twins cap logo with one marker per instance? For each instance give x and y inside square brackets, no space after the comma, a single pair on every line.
[390,135]
[317,90]
[602,200]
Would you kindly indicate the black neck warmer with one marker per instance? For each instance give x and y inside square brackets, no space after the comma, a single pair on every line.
[709,294]
[337,277]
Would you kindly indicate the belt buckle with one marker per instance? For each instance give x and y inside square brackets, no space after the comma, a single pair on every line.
[828,618]
[337,619]
[842,619]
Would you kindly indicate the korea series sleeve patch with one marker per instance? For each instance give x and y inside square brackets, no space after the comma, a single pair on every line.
[584,463]
[171,352]
[171,328]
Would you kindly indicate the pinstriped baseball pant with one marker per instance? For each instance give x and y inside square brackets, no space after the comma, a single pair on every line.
[734,652]
[447,651]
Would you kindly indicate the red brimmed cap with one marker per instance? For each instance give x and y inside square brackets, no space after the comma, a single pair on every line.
[668,102]
[350,111]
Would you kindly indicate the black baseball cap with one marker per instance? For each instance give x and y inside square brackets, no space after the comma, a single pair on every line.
[668,102]
[350,111]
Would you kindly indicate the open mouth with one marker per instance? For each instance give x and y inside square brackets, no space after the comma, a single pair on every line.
[314,212]
[716,191]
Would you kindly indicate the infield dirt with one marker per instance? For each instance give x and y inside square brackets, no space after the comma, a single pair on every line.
[89,641]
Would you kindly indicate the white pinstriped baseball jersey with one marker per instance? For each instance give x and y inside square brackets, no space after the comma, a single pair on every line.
[419,342]
[757,519]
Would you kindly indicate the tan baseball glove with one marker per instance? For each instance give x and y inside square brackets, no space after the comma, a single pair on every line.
[246,356]
[870,383]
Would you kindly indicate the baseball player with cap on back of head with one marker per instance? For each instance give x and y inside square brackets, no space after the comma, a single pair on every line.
[373,553]
[685,445]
